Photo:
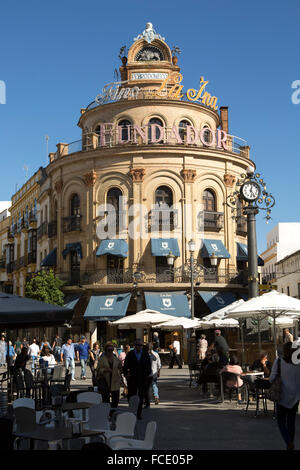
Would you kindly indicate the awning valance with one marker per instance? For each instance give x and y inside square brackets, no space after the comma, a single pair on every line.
[242,254]
[163,246]
[214,247]
[113,247]
[217,300]
[107,307]
[71,301]
[50,259]
[171,303]
[72,247]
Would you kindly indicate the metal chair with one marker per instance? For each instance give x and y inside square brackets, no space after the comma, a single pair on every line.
[194,370]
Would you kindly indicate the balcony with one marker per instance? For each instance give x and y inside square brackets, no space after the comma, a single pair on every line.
[2,263]
[270,277]
[42,230]
[160,276]
[162,219]
[52,229]
[241,226]
[11,267]
[32,257]
[136,137]
[71,224]
[22,262]
[212,221]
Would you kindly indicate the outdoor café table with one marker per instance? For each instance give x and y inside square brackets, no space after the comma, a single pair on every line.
[77,406]
[42,433]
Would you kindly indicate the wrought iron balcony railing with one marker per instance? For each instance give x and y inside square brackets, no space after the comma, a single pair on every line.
[163,219]
[42,230]
[213,221]
[161,275]
[241,225]
[72,223]
[32,257]
[52,229]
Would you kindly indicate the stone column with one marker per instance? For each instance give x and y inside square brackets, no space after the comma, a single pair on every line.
[58,185]
[90,179]
[229,223]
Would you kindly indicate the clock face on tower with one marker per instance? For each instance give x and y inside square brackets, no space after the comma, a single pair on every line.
[250,191]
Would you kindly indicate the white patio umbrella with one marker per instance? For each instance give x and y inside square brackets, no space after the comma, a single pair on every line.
[179,322]
[220,314]
[218,323]
[272,304]
[144,318]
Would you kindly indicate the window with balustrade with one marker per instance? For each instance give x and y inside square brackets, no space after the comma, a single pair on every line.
[163,216]
[212,220]
[115,212]
[72,222]
[182,129]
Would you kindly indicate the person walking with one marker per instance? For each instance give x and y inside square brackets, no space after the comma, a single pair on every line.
[21,359]
[137,369]
[122,357]
[94,358]
[82,354]
[34,352]
[287,406]
[155,366]
[17,346]
[2,351]
[68,356]
[109,375]
[156,342]
[56,347]
[175,352]
[202,347]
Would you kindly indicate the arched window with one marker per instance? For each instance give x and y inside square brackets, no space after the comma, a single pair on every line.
[125,134]
[115,214]
[164,196]
[157,131]
[209,200]
[75,205]
[182,128]
[207,137]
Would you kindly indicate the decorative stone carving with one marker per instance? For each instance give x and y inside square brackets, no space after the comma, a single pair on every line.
[58,185]
[137,174]
[188,175]
[229,180]
[90,178]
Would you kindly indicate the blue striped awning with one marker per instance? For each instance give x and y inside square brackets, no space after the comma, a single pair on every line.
[106,307]
[72,247]
[113,247]
[242,254]
[214,247]
[50,259]
[163,246]
[171,303]
[216,300]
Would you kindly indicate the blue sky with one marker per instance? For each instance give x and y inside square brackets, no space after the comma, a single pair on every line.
[56,56]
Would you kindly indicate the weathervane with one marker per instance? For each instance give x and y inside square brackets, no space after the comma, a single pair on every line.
[149,34]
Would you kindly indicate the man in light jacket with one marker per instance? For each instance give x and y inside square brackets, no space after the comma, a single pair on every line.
[155,366]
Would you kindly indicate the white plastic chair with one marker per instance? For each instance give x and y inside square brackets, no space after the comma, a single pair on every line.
[89,397]
[125,426]
[133,405]
[24,402]
[98,417]
[117,443]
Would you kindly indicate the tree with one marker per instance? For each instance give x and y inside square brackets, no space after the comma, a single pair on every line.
[44,286]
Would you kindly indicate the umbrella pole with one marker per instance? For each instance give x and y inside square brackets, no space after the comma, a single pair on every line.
[242,341]
[275,338]
[259,336]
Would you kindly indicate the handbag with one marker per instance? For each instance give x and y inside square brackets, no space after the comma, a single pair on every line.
[274,391]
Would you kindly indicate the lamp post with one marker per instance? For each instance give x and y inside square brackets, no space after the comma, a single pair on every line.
[251,194]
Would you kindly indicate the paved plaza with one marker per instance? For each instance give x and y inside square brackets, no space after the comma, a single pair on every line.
[188,422]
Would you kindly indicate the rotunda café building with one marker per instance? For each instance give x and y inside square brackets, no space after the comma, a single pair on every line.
[151,173]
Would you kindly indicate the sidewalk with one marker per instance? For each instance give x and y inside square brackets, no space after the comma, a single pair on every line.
[185,421]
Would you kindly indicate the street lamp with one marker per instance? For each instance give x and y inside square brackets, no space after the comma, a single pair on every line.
[251,194]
